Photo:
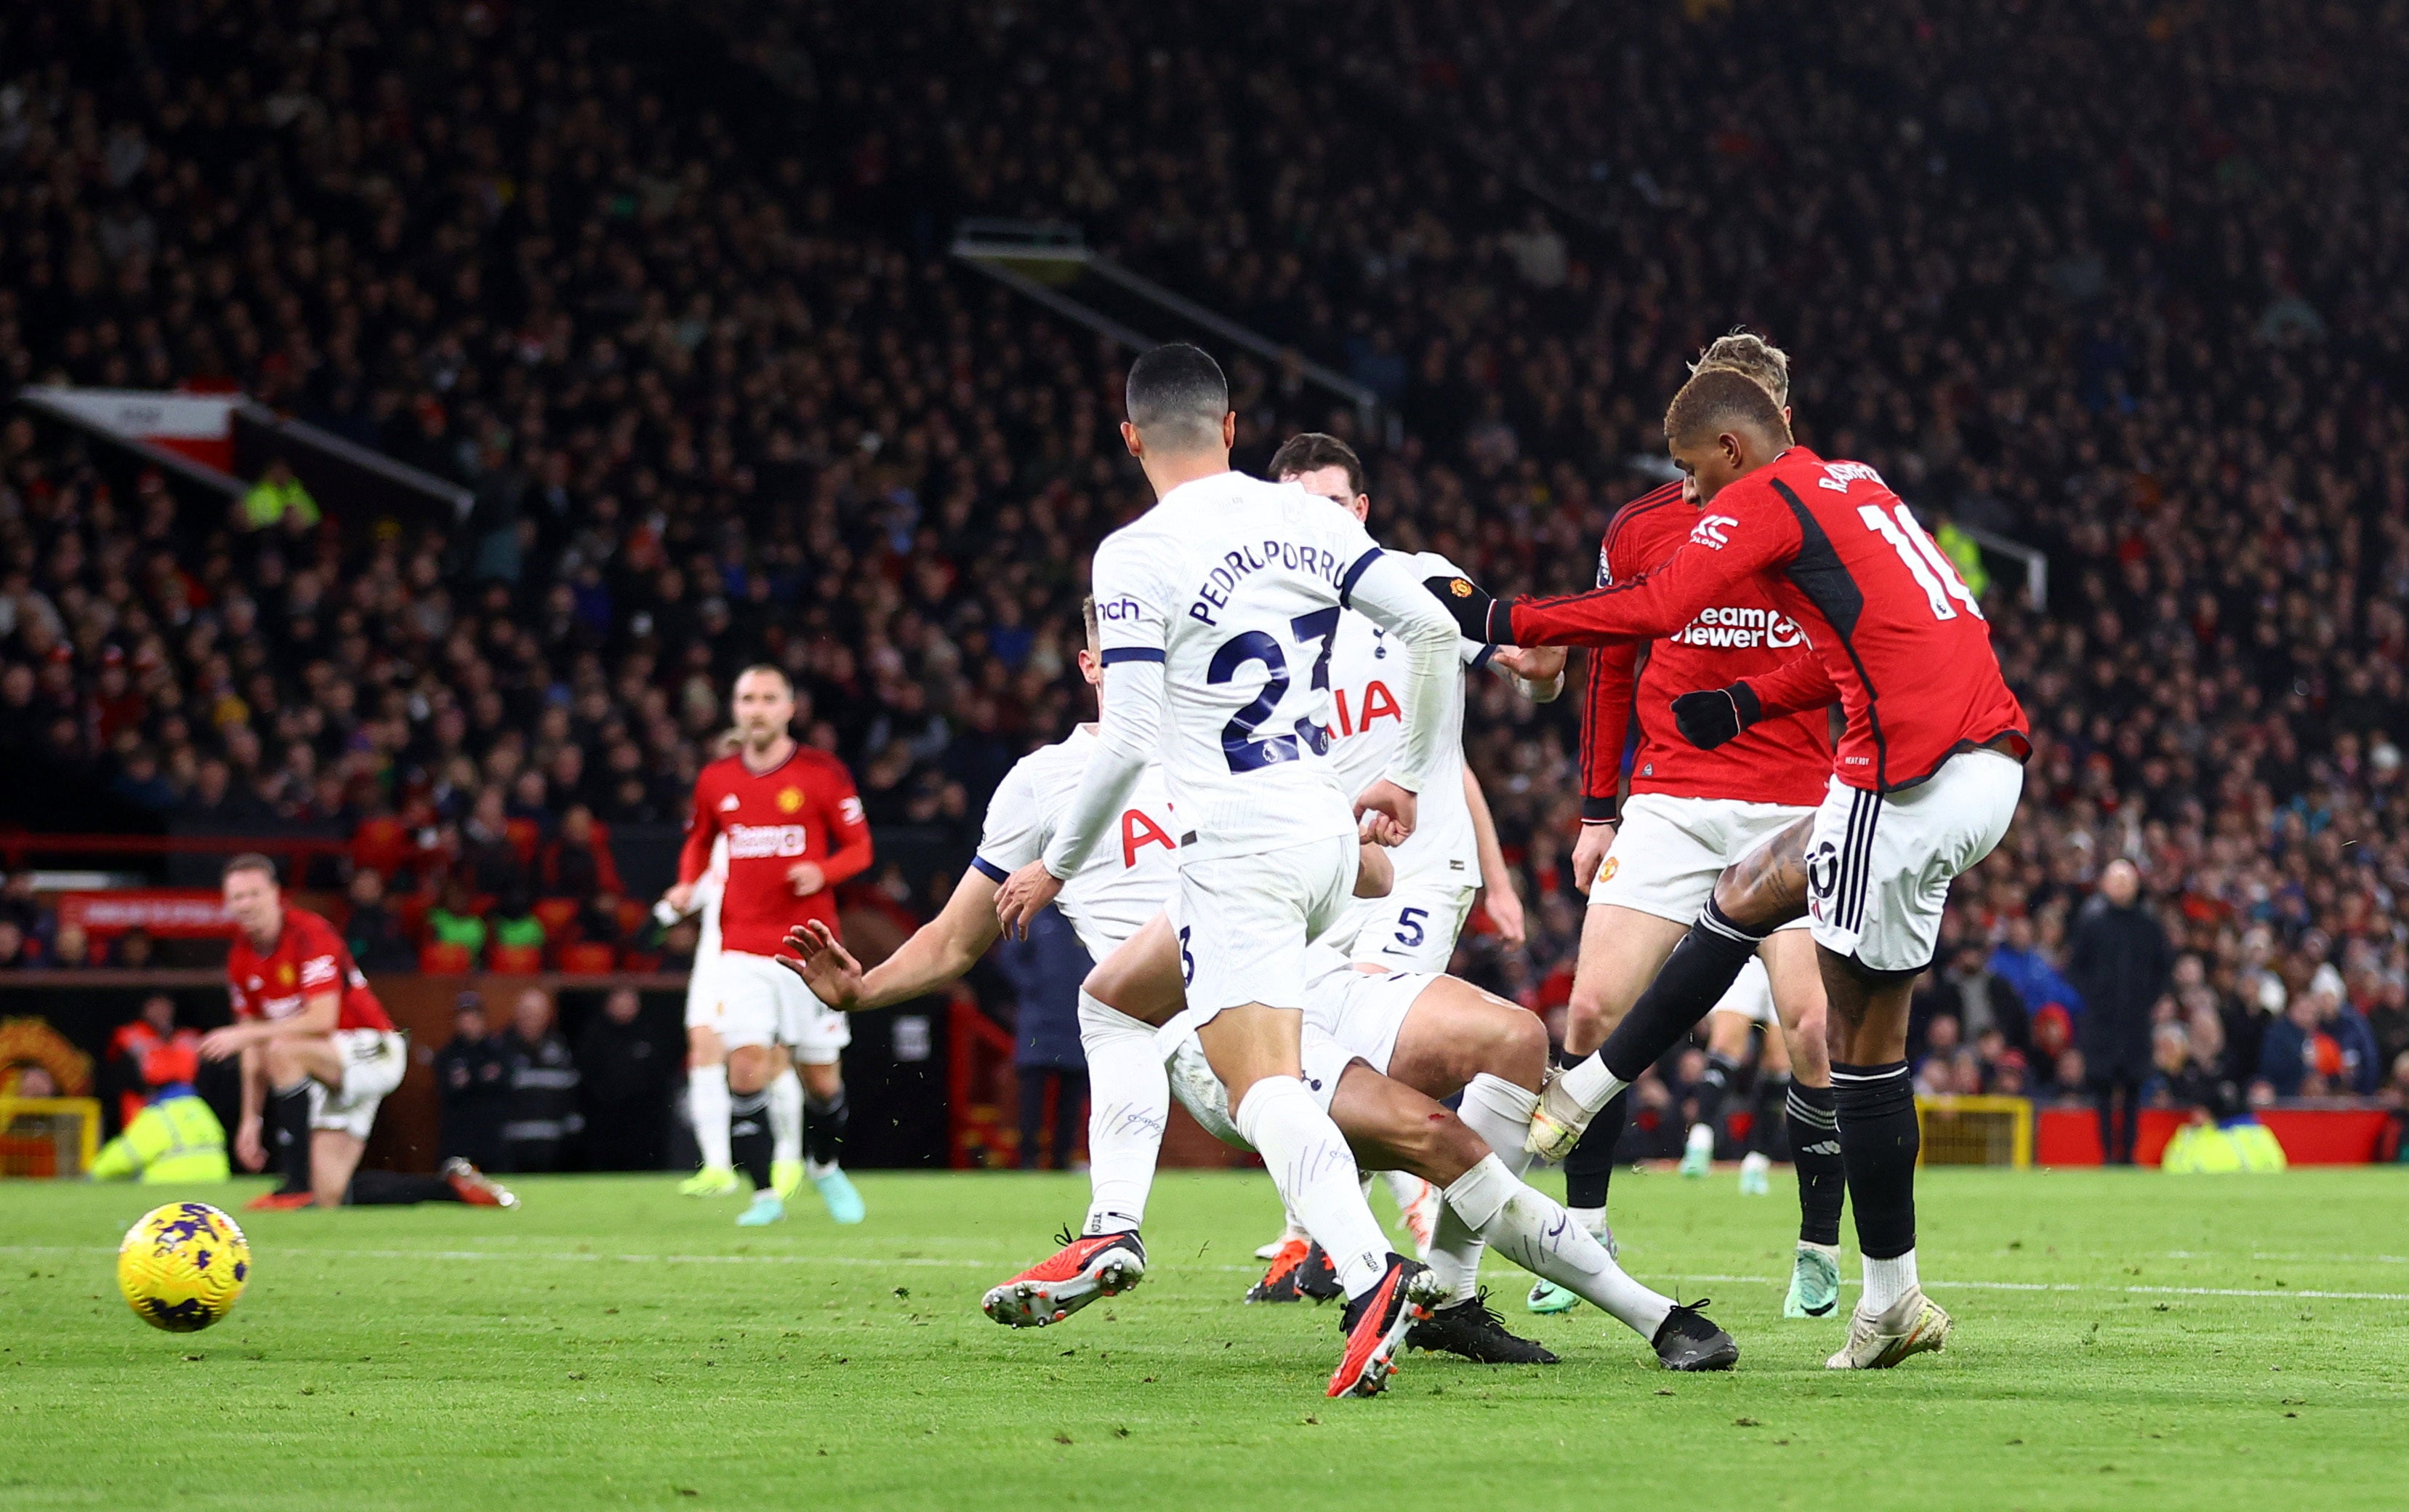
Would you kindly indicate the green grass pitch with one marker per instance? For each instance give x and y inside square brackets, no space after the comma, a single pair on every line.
[2125,1340]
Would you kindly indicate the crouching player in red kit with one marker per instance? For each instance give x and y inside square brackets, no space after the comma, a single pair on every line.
[318,1055]
[1925,782]
[794,830]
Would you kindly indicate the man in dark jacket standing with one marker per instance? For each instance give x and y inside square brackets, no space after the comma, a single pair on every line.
[543,1088]
[472,1075]
[2119,958]
[1046,970]
[627,1070]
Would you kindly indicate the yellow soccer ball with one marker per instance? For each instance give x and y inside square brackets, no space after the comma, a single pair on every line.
[183,1265]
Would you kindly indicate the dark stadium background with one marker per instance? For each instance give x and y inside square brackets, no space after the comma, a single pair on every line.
[669,296]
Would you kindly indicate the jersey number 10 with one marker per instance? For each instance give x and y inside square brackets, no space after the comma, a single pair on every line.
[1931,571]
[1238,743]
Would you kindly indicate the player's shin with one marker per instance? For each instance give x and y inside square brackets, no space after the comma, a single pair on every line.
[1879,1140]
[1815,1151]
[748,1136]
[1129,1101]
[1694,979]
[786,1119]
[1531,1228]
[706,1100]
[824,1124]
[287,1120]
[1308,1160]
[1500,1113]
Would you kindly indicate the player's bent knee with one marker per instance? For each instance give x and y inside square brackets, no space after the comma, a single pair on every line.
[1518,1049]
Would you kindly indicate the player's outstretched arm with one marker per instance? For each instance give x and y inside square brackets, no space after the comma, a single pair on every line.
[937,954]
[1538,672]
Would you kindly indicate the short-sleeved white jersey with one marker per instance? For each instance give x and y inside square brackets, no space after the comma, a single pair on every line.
[1367,668]
[1238,585]
[1125,881]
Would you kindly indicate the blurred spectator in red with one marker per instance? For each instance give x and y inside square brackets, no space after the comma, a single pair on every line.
[577,862]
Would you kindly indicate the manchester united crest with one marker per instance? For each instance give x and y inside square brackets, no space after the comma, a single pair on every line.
[789,800]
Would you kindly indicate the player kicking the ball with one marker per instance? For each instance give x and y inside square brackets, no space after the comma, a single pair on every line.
[1377,1048]
[1453,851]
[1218,609]
[790,824]
[318,1056]
[1926,781]
[1650,864]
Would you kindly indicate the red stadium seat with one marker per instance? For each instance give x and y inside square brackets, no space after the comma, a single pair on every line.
[514,961]
[410,910]
[555,914]
[588,957]
[382,845]
[523,836]
[632,916]
[436,958]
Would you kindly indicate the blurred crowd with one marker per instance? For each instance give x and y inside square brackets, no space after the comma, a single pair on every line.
[2113,282]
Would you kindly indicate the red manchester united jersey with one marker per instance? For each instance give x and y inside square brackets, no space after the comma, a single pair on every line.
[804,809]
[309,960]
[1783,759]
[1894,632]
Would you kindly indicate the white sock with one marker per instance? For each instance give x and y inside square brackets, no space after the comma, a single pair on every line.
[1128,1098]
[787,1118]
[706,1101]
[1591,1084]
[1500,1113]
[1887,1280]
[1533,1230]
[1315,1171]
[1404,1187]
[1591,1218]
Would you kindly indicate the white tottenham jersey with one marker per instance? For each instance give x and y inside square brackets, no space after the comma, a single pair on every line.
[1236,587]
[1367,722]
[1125,881]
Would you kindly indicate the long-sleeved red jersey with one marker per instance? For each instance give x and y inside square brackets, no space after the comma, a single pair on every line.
[1898,633]
[804,808]
[1742,636]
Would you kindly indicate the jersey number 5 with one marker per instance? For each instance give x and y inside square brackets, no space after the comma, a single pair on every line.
[1931,571]
[1238,743]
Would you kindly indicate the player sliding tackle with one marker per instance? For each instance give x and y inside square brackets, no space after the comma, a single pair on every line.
[1926,781]
[1441,1035]
[1217,608]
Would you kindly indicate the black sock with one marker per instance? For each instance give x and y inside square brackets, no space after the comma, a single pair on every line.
[1815,1149]
[749,1140]
[396,1188]
[824,1122]
[1764,1105]
[288,1135]
[1714,1084]
[1694,978]
[1876,1113]
[1590,1165]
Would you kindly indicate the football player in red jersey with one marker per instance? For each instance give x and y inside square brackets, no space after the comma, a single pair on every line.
[1926,781]
[794,830]
[1650,865]
[318,1055]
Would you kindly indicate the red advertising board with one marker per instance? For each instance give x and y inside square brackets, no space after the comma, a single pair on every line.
[168,912]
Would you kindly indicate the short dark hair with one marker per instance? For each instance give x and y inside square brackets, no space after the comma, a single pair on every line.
[1717,400]
[769,666]
[1311,451]
[248,861]
[1178,394]
[1095,627]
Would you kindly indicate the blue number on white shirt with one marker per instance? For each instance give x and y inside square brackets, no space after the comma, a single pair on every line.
[1238,743]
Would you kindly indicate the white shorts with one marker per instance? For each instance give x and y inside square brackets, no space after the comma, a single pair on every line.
[1750,996]
[374,1062]
[1878,865]
[1668,850]
[1244,922]
[751,999]
[1411,930]
[1362,1011]
[1201,1094]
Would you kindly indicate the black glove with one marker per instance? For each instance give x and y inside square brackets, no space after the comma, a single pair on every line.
[1710,718]
[1479,616]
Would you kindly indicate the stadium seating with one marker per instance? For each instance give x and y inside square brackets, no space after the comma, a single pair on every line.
[718,401]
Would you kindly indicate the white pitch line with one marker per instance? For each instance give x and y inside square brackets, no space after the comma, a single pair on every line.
[928,1262]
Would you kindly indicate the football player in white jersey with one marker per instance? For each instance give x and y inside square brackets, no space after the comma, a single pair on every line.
[1219,606]
[1442,1031]
[1453,851]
